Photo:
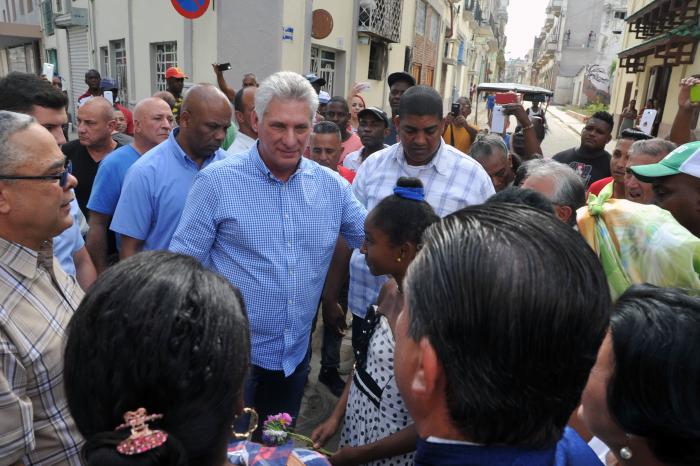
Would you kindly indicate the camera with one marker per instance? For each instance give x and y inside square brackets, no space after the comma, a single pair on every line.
[224,66]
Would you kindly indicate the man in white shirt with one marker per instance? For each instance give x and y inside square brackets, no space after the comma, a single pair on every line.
[244,104]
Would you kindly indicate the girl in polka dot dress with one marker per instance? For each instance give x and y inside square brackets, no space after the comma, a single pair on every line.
[377,427]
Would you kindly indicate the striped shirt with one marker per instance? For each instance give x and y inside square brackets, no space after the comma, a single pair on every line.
[274,240]
[452,180]
[37,301]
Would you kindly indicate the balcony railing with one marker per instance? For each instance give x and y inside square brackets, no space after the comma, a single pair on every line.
[381,19]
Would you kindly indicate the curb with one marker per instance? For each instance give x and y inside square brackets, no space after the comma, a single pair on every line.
[568,125]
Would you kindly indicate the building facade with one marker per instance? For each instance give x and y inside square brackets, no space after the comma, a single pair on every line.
[660,47]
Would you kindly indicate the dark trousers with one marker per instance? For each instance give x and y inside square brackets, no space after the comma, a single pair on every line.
[270,392]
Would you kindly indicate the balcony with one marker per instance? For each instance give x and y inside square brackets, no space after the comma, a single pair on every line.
[661,16]
[554,7]
[454,52]
[74,17]
[380,19]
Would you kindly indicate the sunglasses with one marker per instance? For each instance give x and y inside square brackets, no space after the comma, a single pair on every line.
[61,177]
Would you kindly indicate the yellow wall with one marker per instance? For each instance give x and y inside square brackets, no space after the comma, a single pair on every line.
[293,52]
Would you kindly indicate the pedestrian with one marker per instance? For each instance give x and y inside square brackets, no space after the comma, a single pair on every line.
[373,128]
[29,94]
[644,153]
[374,418]
[458,132]
[156,186]
[478,341]
[38,297]
[338,112]
[590,160]
[271,232]
[399,82]
[153,121]
[451,181]
[92,79]
[244,105]
[174,83]
[629,116]
[492,153]
[326,147]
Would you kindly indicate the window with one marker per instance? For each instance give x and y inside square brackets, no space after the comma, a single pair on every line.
[118,67]
[416,72]
[323,65]
[52,57]
[104,61]
[165,57]
[47,17]
[620,15]
[377,54]
[420,18]
[434,26]
[429,76]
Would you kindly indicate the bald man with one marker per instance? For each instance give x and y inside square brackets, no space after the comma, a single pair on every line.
[153,121]
[95,126]
[156,187]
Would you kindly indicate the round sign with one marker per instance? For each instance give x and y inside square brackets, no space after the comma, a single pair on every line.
[191,9]
[321,24]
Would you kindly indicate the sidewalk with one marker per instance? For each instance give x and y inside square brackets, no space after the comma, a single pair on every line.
[566,119]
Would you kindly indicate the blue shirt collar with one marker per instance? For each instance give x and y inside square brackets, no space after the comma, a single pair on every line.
[181,154]
[305,166]
[438,162]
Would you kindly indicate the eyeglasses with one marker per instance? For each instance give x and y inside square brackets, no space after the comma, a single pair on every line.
[61,177]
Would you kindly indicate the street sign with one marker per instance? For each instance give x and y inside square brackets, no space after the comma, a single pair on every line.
[191,9]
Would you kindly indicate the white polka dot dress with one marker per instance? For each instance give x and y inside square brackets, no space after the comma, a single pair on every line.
[375,409]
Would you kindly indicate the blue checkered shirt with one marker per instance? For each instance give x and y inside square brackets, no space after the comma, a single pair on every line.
[274,241]
[452,180]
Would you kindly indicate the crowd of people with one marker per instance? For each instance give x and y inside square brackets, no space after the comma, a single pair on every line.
[162,275]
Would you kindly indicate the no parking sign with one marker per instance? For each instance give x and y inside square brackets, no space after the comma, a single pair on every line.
[191,9]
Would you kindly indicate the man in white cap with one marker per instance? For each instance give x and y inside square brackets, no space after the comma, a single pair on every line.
[676,184]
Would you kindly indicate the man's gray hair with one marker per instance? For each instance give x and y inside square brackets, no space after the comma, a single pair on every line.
[569,189]
[656,147]
[10,124]
[486,145]
[285,85]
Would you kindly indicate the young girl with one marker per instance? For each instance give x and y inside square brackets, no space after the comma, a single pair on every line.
[378,429]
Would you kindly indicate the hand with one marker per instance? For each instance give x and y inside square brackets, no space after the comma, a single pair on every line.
[358,87]
[518,111]
[322,433]
[449,118]
[346,456]
[460,121]
[334,317]
[216,68]
[684,102]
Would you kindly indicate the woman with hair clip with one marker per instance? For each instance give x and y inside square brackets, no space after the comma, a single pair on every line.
[154,367]
[642,398]
[377,427]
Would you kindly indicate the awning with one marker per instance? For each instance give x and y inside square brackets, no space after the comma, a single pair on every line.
[515,87]
[662,16]
[676,47]
[14,34]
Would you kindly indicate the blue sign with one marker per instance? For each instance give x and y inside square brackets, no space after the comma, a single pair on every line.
[191,9]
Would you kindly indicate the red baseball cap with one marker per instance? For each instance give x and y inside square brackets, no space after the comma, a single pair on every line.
[175,72]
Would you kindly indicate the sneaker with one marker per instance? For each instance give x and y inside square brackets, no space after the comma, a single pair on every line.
[330,378]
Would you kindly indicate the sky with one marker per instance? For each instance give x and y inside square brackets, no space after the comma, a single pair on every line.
[525,20]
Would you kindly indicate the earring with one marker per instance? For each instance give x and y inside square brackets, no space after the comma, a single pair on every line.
[252,425]
[398,259]
[625,453]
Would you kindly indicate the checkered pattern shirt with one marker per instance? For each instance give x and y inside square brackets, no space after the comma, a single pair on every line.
[274,240]
[452,180]
[37,299]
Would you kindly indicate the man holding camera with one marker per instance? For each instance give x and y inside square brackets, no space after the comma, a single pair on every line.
[458,132]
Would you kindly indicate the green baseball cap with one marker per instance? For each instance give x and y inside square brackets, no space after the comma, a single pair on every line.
[684,159]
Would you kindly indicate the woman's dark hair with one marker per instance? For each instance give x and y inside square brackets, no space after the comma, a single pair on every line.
[653,392]
[523,308]
[403,220]
[161,332]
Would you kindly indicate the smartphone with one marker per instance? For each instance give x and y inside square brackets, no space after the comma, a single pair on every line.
[224,66]
[455,110]
[695,94]
[506,98]
[109,96]
[498,119]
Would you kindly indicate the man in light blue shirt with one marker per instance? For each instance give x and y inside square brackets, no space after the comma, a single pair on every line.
[156,186]
[153,122]
[268,220]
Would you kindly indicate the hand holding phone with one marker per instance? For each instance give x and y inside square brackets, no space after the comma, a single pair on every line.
[224,66]
[695,94]
[498,119]
[455,110]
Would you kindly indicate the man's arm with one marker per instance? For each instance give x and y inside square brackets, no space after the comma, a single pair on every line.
[681,132]
[532,145]
[85,271]
[223,85]
[333,313]
[96,240]
[16,413]
[130,246]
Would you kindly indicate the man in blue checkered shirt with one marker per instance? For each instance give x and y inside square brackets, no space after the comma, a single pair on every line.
[268,220]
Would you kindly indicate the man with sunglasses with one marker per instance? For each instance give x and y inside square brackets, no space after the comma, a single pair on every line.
[38,298]
[29,94]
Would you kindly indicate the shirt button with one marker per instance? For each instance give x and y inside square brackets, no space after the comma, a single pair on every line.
[286,215]
[290,302]
[289,243]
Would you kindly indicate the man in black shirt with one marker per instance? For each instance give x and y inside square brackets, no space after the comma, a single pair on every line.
[591,160]
[95,125]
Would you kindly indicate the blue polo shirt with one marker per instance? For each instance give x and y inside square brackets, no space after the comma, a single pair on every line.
[272,239]
[110,178]
[154,193]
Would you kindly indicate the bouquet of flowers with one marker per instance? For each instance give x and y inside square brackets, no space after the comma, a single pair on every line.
[277,430]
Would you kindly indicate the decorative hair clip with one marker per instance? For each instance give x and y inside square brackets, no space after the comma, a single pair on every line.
[142,439]
[412,193]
